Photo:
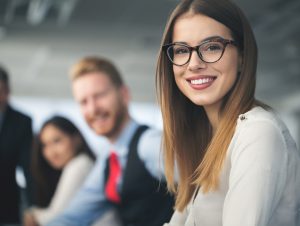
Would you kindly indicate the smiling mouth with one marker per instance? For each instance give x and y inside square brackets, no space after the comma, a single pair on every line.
[99,118]
[201,81]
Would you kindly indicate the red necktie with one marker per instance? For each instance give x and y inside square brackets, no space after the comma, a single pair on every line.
[114,173]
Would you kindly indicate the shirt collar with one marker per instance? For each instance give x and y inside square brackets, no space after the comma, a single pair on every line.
[120,146]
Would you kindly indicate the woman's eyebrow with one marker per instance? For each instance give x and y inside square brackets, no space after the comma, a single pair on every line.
[210,38]
[203,40]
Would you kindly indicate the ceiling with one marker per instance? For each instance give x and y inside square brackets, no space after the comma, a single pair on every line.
[40,39]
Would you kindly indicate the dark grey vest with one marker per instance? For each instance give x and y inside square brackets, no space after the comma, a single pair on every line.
[144,199]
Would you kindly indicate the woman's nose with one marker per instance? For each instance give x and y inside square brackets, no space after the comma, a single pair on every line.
[196,62]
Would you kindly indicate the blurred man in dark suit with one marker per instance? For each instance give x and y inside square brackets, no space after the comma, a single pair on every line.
[15,145]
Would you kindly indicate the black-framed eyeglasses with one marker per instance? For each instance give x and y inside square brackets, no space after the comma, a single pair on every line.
[209,51]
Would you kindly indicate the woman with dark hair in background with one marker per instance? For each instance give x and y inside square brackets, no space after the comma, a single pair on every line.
[237,162]
[61,161]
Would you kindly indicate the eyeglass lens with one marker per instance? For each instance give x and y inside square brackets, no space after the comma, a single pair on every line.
[209,52]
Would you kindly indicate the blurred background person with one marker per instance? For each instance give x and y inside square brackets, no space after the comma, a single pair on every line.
[60,163]
[126,186]
[15,146]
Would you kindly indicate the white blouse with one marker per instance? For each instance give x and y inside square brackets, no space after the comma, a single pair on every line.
[72,177]
[260,180]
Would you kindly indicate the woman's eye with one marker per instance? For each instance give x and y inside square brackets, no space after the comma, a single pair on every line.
[212,47]
[56,140]
[181,50]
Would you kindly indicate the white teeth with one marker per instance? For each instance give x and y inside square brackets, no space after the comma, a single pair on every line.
[201,81]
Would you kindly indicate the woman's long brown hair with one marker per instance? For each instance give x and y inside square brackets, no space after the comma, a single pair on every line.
[188,142]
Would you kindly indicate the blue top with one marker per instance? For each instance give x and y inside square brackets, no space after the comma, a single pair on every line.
[90,203]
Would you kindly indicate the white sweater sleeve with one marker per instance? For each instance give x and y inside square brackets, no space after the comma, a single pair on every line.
[257,176]
[72,178]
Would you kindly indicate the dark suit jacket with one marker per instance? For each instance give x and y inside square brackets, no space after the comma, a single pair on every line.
[15,148]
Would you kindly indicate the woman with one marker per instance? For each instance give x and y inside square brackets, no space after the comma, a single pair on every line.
[61,162]
[236,161]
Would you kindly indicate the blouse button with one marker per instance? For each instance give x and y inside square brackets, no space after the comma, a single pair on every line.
[243,117]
